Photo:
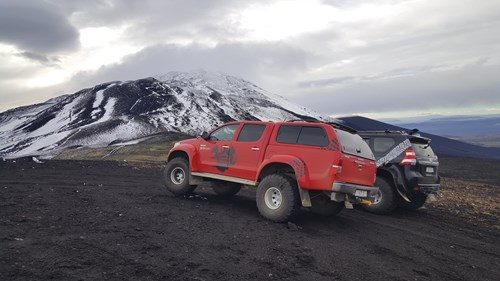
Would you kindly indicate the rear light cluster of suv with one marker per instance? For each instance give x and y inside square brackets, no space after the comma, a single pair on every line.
[410,158]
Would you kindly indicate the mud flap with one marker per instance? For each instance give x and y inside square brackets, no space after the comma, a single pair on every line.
[402,194]
[347,203]
[397,181]
[194,180]
[304,197]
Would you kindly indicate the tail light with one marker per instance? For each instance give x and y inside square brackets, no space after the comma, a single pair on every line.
[337,169]
[409,158]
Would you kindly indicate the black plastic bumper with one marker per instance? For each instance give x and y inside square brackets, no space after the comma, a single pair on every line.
[429,188]
[350,189]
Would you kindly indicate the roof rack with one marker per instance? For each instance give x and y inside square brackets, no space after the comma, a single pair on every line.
[413,132]
[333,124]
[384,132]
[305,120]
[343,127]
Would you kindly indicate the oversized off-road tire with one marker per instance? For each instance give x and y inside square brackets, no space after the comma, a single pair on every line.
[226,189]
[278,198]
[417,201]
[324,206]
[176,175]
[386,199]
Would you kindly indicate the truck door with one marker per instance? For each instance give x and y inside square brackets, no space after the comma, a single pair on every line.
[249,148]
[216,155]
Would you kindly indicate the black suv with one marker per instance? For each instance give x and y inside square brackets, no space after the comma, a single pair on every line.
[407,169]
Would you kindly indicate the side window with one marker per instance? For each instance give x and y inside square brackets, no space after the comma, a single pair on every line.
[381,145]
[288,134]
[251,132]
[224,133]
[313,136]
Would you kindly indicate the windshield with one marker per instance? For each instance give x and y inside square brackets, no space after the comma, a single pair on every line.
[423,150]
[353,144]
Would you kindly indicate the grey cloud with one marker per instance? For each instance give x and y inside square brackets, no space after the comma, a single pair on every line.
[36,27]
[153,22]
[326,82]
[43,59]
[393,64]
[399,72]
[260,62]
[106,12]
[473,85]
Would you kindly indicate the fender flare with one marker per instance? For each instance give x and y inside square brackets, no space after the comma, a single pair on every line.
[397,181]
[299,169]
[190,150]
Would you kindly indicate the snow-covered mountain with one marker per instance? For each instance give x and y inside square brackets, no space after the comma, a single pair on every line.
[187,102]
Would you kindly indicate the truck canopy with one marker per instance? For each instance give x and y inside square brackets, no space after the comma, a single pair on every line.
[353,144]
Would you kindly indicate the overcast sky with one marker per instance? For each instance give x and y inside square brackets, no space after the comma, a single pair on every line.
[384,58]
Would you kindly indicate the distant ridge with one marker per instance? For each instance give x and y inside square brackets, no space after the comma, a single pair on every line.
[441,145]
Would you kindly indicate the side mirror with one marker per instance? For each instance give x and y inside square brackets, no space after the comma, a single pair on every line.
[204,135]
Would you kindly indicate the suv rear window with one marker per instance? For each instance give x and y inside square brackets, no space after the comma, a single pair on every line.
[353,144]
[306,135]
[381,145]
[422,150]
[251,132]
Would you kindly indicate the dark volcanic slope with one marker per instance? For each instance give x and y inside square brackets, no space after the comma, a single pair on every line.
[186,102]
[69,220]
[441,145]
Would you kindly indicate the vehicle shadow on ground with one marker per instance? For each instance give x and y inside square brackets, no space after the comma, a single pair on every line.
[244,202]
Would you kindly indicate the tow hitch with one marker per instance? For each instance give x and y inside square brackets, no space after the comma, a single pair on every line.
[366,202]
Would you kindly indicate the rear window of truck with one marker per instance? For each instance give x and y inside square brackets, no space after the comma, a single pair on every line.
[353,144]
[305,135]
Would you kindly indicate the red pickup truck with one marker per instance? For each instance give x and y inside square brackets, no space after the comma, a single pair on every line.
[294,164]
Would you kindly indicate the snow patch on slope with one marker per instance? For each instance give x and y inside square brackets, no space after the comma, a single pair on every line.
[108,111]
[186,102]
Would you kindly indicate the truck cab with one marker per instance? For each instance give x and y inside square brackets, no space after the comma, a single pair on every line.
[315,164]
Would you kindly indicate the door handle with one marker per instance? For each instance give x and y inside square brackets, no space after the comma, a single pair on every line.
[255,148]
[225,146]
[203,145]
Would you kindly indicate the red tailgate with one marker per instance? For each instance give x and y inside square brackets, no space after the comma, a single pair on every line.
[357,160]
[357,170]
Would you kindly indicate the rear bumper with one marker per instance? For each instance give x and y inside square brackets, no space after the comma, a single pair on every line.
[429,188]
[354,190]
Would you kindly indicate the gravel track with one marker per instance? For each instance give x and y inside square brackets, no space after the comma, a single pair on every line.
[87,220]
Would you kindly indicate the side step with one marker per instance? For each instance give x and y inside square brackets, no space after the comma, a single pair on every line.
[224,178]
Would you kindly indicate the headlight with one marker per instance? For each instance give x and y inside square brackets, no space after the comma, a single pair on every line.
[176,144]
